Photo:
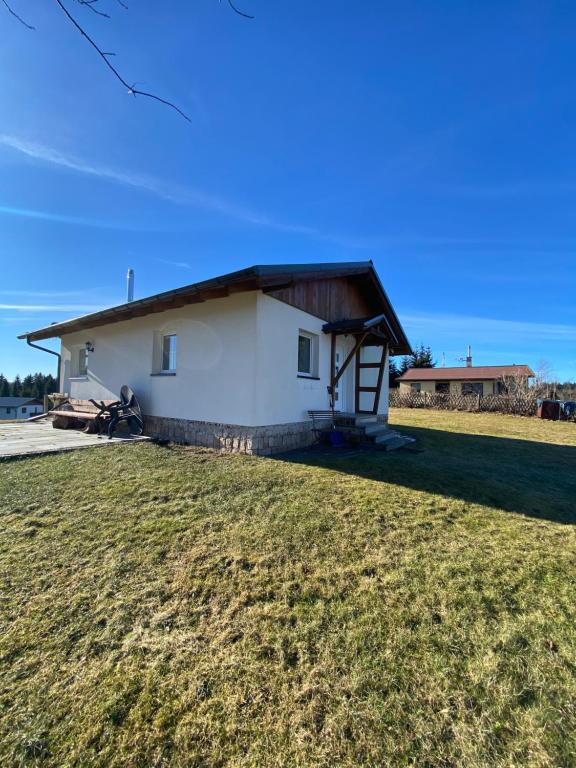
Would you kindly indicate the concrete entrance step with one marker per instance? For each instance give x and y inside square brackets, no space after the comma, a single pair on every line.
[397,441]
[375,430]
[364,421]
[386,438]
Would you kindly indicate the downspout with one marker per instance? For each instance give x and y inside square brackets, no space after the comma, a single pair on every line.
[51,352]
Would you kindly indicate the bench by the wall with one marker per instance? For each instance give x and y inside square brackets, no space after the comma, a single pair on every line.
[91,414]
[322,421]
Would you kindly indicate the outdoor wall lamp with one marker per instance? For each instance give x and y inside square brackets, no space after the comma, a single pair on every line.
[89,346]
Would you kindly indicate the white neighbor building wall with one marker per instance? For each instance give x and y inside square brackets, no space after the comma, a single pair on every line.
[237,364]
[20,412]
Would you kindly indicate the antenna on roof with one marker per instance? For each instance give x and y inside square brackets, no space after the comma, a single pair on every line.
[467,359]
[129,286]
[443,359]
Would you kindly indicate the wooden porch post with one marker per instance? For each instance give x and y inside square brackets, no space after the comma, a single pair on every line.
[332,387]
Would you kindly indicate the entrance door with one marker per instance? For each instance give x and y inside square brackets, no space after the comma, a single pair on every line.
[341,400]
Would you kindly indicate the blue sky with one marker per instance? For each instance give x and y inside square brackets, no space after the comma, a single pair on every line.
[435,138]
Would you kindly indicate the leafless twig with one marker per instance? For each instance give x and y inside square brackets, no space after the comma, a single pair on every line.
[238,11]
[92,5]
[104,56]
[20,19]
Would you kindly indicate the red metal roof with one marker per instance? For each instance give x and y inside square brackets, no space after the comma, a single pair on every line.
[461,373]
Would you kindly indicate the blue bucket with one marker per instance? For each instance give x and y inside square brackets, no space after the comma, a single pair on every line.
[336,438]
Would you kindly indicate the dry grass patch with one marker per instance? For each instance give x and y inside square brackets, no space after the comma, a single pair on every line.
[169,607]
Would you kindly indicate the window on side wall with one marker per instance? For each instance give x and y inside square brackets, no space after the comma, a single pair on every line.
[79,362]
[471,388]
[23,409]
[168,363]
[416,386]
[443,387]
[307,354]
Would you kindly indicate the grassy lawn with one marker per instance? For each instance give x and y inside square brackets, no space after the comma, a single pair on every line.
[173,607]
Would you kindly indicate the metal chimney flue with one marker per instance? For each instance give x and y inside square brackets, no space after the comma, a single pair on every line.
[130,285]
[469,357]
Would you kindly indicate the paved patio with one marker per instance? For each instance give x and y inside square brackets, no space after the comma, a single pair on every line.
[28,438]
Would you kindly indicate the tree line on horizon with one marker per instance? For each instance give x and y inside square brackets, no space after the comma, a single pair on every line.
[33,385]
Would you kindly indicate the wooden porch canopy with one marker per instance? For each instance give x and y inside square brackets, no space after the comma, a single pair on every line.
[367,332]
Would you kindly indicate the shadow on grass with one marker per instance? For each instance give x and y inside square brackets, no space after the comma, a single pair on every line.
[530,478]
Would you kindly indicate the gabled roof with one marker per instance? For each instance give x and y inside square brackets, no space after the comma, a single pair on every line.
[266,277]
[472,373]
[17,402]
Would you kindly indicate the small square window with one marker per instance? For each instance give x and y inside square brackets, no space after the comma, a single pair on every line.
[416,386]
[443,387]
[23,409]
[169,353]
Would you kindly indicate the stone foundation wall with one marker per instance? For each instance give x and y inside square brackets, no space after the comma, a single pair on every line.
[231,438]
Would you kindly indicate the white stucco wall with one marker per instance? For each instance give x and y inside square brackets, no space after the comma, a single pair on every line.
[237,363]
[283,396]
[22,412]
[216,361]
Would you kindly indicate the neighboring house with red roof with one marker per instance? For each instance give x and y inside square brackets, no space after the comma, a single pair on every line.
[468,380]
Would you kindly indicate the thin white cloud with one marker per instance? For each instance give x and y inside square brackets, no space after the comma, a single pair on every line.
[521,189]
[180,264]
[492,329]
[51,307]
[198,198]
[61,218]
[171,192]
[42,294]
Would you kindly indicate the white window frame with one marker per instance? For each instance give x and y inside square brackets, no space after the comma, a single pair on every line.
[314,351]
[158,352]
[171,353]
[76,354]
[83,361]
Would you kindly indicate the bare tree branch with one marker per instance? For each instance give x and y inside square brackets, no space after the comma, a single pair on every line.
[20,19]
[238,11]
[104,56]
[91,4]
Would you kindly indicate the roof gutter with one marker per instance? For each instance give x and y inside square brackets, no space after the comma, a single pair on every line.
[51,352]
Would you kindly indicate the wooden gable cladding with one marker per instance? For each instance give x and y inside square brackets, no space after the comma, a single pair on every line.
[331,299]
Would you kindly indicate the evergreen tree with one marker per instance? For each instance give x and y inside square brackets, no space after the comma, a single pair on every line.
[4,386]
[38,386]
[28,386]
[421,357]
[16,388]
[50,384]
[393,373]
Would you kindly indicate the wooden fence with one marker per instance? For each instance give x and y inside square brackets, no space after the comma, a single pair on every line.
[521,404]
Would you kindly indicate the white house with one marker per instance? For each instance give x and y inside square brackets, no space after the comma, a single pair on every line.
[237,362]
[19,407]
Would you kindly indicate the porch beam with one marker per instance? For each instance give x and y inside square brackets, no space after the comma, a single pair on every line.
[380,378]
[346,363]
